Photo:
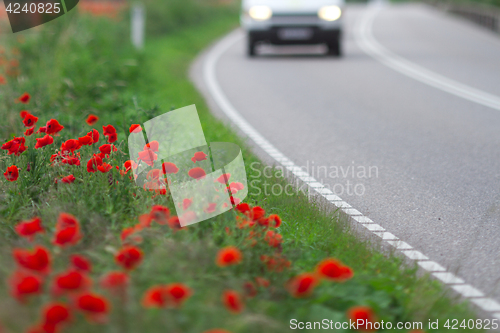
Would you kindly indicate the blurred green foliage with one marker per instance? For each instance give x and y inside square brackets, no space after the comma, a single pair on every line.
[165,16]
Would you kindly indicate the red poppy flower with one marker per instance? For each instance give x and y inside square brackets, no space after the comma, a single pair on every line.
[70,281]
[232,301]
[256,213]
[169,168]
[29,131]
[273,238]
[224,178]
[153,146]
[275,263]
[42,129]
[153,174]
[274,221]
[135,128]
[333,269]
[71,160]
[112,137]
[145,220]
[262,282]
[12,173]
[130,165]
[155,297]
[23,284]
[148,157]
[92,119]
[210,208]
[129,257]
[70,145]
[68,179]
[186,203]
[178,293]
[15,146]
[30,120]
[250,290]
[197,173]
[67,230]
[68,236]
[66,220]
[243,208]
[37,260]
[93,163]
[188,216]
[128,232]
[108,130]
[160,214]
[85,140]
[23,113]
[199,156]
[94,134]
[95,306]
[25,98]
[29,228]
[228,256]
[53,127]
[107,148]
[116,282]
[174,223]
[45,141]
[81,263]
[105,167]
[364,315]
[55,314]
[3,80]
[234,187]
[302,285]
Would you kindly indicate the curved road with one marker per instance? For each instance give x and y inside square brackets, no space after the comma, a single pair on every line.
[417,98]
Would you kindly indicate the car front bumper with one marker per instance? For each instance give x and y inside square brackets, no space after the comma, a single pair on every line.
[274,35]
[319,31]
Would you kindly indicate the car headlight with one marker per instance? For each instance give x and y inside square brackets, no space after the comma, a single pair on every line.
[260,13]
[330,13]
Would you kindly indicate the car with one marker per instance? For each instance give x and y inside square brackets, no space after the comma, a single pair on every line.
[289,22]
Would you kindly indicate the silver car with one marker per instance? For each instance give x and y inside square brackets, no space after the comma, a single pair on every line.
[285,22]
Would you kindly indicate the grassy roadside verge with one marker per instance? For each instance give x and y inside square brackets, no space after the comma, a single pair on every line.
[95,75]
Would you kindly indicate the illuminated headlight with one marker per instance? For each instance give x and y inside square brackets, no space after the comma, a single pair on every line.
[330,13]
[260,13]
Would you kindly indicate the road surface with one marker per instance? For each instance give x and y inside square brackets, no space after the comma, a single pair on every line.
[420,108]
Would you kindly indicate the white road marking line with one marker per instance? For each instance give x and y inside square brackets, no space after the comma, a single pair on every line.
[220,98]
[384,235]
[362,219]
[373,227]
[468,291]
[448,278]
[365,40]
[415,255]
[431,266]
[487,304]
[400,245]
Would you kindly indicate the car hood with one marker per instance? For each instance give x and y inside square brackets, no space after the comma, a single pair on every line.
[292,6]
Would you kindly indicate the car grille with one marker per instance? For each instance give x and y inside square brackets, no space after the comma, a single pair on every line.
[294,19]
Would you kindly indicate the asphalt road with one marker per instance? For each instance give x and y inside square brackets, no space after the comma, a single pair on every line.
[436,153]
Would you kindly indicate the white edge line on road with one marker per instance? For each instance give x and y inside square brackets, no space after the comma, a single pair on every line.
[210,78]
[364,38]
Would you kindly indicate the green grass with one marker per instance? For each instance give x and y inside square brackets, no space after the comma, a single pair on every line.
[88,68]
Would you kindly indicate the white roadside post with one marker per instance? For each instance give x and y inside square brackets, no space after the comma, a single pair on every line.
[138,18]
